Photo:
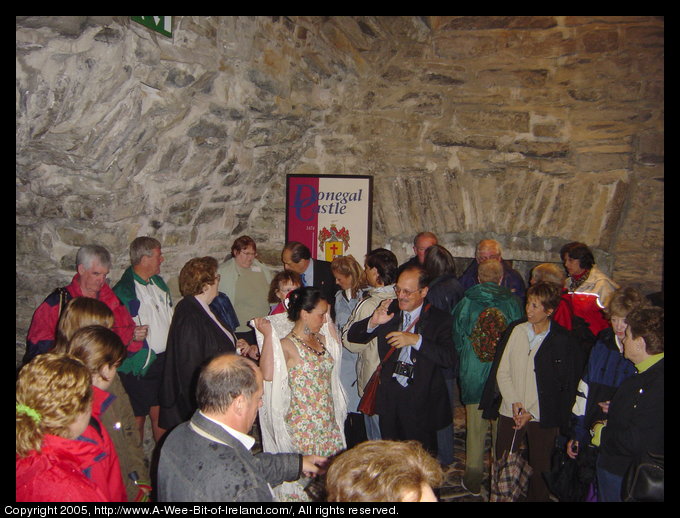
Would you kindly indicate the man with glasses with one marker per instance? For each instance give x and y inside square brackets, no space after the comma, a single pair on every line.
[412,399]
[491,249]
[93,263]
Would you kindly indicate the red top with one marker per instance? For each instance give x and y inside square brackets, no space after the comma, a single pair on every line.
[55,474]
[584,305]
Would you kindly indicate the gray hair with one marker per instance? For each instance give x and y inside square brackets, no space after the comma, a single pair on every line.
[142,246]
[88,253]
[488,244]
[490,271]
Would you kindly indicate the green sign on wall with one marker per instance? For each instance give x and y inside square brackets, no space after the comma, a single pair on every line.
[161,24]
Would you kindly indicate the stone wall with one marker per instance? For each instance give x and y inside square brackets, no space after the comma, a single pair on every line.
[532,130]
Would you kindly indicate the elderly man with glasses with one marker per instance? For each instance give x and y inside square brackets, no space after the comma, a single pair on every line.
[491,249]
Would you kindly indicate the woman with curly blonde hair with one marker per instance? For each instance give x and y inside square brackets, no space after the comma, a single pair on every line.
[102,352]
[53,407]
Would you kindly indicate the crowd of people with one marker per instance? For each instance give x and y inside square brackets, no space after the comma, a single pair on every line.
[263,384]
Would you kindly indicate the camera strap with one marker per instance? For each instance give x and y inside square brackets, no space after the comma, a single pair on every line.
[408,329]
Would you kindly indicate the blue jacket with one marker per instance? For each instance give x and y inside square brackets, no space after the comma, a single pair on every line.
[605,371]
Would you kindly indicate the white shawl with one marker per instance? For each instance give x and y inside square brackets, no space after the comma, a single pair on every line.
[275,437]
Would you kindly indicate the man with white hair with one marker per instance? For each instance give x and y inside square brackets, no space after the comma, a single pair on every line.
[93,263]
[146,296]
[491,249]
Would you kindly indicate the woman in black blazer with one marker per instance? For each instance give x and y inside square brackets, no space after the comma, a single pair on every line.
[196,335]
[635,417]
[532,384]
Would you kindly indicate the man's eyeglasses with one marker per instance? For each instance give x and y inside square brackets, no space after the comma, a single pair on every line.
[407,293]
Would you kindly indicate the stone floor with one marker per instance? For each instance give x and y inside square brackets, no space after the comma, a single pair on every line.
[452,491]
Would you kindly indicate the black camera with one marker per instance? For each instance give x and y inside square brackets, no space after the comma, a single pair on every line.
[404,369]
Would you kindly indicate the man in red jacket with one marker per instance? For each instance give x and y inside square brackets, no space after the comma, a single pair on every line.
[93,263]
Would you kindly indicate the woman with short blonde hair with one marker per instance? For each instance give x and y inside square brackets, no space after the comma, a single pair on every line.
[78,313]
[118,417]
[384,471]
[100,349]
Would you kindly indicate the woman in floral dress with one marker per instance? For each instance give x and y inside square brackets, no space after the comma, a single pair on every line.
[304,403]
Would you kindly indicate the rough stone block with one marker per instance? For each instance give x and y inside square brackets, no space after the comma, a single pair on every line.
[494,120]
[604,40]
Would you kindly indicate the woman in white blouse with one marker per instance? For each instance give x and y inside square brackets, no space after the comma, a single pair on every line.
[532,384]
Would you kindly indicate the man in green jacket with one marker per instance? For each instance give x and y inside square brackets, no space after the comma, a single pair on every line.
[147,298]
[479,320]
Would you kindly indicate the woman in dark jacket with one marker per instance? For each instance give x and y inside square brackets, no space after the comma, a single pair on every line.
[444,292]
[635,420]
[532,384]
[196,335]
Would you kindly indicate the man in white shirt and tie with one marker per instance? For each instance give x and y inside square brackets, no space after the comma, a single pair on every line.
[412,400]
[314,272]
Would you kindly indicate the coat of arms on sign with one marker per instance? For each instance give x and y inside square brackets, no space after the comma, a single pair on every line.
[333,243]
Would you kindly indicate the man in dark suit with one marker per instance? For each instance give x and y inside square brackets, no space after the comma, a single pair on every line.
[297,257]
[412,399]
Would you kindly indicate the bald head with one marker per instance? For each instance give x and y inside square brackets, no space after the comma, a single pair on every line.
[488,249]
[421,243]
[225,378]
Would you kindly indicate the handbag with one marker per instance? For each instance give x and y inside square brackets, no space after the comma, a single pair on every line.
[643,482]
[367,402]
[569,479]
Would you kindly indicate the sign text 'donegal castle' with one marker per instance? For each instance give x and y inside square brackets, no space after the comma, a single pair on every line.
[328,202]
